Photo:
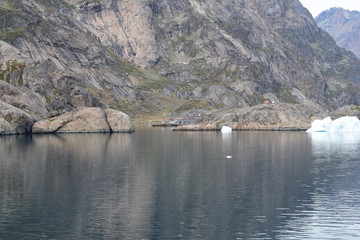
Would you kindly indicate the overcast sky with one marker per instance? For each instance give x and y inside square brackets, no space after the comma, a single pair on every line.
[317,6]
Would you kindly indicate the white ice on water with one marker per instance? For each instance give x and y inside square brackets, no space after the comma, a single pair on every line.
[320,125]
[226,129]
[343,124]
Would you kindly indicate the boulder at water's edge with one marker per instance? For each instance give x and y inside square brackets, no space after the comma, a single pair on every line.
[86,120]
[14,120]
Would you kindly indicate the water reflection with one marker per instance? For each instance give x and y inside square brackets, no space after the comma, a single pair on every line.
[334,206]
[325,145]
[159,184]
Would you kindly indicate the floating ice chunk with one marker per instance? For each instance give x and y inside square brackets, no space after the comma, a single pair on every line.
[226,129]
[320,125]
[343,124]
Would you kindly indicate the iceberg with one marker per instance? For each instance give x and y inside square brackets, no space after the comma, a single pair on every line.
[343,124]
[226,129]
[320,125]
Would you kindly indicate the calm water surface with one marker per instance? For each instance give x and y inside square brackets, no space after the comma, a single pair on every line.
[159,184]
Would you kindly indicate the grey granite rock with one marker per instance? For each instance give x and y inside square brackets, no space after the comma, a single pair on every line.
[14,120]
[118,121]
[86,120]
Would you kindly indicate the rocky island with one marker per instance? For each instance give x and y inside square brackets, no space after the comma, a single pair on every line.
[151,58]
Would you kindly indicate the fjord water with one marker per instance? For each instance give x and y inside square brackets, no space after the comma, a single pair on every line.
[160,184]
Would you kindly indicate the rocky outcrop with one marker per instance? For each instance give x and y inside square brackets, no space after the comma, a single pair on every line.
[349,110]
[344,26]
[14,120]
[118,121]
[24,99]
[86,120]
[280,116]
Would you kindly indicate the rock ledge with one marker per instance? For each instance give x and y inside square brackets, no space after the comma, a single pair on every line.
[86,120]
[271,117]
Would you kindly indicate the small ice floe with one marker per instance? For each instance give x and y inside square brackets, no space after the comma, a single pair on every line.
[343,124]
[226,129]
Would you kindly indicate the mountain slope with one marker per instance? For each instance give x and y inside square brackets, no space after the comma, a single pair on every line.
[151,57]
[344,26]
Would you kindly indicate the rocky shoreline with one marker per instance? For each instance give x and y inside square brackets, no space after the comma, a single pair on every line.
[285,129]
[264,117]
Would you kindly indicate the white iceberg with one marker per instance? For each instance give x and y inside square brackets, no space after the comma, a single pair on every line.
[343,124]
[226,129]
[320,125]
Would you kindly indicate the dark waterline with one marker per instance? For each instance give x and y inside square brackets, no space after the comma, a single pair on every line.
[160,184]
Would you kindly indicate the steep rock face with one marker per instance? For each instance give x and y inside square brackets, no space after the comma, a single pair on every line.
[145,56]
[46,53]
[24,99]
[344,26]
[13,120]
[87,120]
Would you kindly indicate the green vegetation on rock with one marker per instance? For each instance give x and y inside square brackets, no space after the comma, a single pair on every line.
[8,4]
[187,43]
[9,68]
[198,104]
[285,95]
[12,34]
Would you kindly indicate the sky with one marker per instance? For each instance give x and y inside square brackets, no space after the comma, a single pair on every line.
[317,6]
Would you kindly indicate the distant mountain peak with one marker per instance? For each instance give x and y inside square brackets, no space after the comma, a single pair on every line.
[344,26]
[337,12]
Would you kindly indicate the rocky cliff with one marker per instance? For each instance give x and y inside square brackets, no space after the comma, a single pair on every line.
[167,56]
[344,26]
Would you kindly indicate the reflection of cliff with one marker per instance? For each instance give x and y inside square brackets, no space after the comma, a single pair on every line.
[50,179]
[163,184]
[204,194]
